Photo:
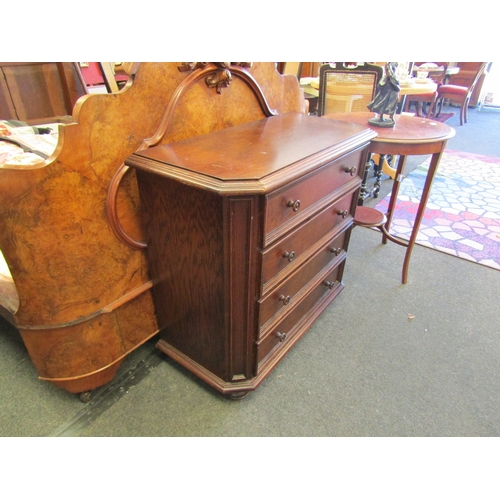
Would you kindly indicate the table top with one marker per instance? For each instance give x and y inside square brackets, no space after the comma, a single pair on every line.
[408,129]
[311,91]
[450,70]
[254,157]
[418,88]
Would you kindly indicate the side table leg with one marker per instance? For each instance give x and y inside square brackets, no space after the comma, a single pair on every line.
[436,157]
[377,170]
[394,194]
[363,191]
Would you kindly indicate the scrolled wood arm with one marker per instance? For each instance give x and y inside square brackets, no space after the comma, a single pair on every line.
[206,71]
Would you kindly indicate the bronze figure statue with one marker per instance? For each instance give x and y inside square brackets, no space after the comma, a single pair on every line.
[386,98]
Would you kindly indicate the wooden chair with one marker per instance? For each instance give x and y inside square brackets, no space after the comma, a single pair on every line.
[349,87]
[460,94]
[79,290]
[425,103]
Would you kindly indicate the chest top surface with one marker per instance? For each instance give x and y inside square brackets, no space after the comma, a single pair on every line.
[255,156]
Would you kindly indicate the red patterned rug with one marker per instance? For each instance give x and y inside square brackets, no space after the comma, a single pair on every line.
[462,217]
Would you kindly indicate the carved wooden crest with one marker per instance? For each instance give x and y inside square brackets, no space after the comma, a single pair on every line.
[221,77]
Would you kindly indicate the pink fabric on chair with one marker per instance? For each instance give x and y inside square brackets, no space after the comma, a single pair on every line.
[453,89]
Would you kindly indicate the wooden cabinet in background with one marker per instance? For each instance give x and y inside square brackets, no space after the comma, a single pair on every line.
[248,230]
[38,92]
[310,69]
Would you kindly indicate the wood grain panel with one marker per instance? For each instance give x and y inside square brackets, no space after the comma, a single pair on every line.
[187,265]
[242,244]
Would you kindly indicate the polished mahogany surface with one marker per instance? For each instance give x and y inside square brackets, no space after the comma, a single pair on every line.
[408,129]
[257,149]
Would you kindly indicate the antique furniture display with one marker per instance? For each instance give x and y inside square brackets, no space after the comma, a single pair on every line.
[247,236]
[461,94]
[80,290]
[411,136]
[435,69]
[411,90]
[425,102]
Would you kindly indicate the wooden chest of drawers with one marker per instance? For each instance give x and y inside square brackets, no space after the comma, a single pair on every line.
[248,230]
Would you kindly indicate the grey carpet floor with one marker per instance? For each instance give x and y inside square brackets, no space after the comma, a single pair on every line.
[365,368]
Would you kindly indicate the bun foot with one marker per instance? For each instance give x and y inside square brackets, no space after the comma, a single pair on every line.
[85,397]
[237,395]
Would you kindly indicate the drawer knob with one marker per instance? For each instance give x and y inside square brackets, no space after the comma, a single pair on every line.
[289,256]
[294,205]
[285,300]
[351,170]
[336,251]
[343,213]
[330,284]
[281,336]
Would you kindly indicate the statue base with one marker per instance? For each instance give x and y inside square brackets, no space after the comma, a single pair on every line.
[382,122]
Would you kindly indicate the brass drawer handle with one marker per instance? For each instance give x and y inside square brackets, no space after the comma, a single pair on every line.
[336,251]
[343,213]
[294,205]
[281,336]
[351,170]
[289,256]
[330,284]
[285,300]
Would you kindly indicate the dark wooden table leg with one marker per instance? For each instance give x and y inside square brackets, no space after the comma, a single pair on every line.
[363,191]
[378,175]
[394,194]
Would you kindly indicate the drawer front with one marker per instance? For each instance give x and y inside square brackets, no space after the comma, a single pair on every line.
[292,250]
[281,334]
[285,205]
[284,297]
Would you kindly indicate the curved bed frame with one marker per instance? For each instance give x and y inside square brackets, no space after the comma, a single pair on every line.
[80,292]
